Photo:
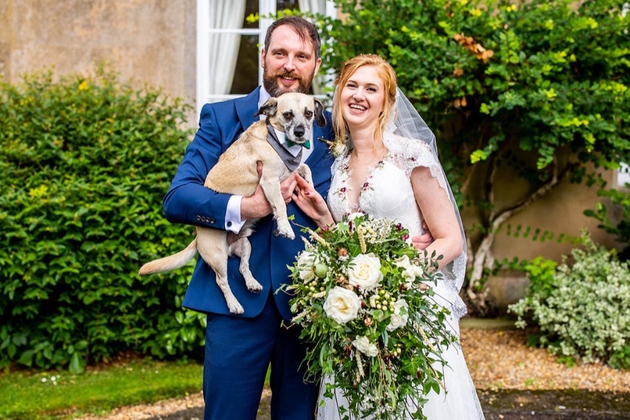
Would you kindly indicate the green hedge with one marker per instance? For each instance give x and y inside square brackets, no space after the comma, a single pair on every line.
[85,163]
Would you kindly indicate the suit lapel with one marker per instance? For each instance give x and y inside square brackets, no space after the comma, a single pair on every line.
[320,148]
[246,107]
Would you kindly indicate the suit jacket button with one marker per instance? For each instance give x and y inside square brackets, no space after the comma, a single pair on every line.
[211,220]
[198,218]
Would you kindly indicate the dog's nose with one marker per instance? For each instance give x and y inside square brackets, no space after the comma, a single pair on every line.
[299,131]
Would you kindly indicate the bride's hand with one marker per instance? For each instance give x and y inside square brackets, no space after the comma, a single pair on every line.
[311,202]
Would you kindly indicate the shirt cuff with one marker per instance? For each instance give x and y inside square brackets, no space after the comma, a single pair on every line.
[233,222]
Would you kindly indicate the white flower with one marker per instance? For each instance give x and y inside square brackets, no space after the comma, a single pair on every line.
[306,266]
[400,316]
[364,345]
[353,216]
[338,148]
[410,271]
[365,271]
[342,305]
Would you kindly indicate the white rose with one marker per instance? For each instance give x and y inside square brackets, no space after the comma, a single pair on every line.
[364,345]
[353,216]
[342,305]
[410,271]
[400,316]
[365,271]
[306,266]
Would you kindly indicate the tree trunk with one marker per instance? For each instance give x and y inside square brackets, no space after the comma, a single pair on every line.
[483,259]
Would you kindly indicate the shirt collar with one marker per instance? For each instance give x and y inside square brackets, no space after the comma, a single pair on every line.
[263,96]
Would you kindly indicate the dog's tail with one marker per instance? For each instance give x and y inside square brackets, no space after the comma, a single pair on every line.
[171,262]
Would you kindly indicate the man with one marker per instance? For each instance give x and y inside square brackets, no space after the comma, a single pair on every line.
[240,348]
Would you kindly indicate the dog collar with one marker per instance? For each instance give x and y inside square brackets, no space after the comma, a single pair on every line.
[290,161]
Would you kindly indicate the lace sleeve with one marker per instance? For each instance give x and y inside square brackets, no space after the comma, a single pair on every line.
[409,154]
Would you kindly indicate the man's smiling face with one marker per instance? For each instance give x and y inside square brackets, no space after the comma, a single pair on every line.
[289,63]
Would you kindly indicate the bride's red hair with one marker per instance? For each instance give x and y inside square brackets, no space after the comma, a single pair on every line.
[387,76]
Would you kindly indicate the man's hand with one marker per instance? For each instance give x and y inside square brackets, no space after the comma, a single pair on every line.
[257,206]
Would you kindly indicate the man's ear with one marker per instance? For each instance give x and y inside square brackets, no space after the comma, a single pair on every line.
[320,119]
[269,108]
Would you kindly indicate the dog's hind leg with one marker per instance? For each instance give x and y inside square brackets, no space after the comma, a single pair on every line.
[213,248]
[242,248]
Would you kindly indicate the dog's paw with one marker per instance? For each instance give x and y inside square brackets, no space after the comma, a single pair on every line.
[234,306]
[284,229]
[253,286]
[288,235]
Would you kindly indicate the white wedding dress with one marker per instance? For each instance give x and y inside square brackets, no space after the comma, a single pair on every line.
[387,193]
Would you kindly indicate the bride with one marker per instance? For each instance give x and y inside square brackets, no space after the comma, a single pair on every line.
[389,168]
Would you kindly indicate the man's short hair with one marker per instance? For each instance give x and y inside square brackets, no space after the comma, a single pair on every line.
[305,29]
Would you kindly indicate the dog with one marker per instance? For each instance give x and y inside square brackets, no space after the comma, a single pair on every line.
[237,172]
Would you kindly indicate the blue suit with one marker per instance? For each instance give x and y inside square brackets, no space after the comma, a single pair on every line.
[240,347]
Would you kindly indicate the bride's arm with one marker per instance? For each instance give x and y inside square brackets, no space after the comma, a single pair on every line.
[312,203]
[437,209]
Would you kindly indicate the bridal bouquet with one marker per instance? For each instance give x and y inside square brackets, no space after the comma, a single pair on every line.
[362,294]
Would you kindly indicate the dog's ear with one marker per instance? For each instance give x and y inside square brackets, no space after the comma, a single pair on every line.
[269,108]
[320,119]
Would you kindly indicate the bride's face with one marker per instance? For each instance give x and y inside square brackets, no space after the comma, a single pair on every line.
[362,98]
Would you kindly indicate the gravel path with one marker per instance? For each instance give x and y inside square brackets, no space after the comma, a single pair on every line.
[514,382]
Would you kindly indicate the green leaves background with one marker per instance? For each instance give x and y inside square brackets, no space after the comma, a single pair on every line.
[85,163]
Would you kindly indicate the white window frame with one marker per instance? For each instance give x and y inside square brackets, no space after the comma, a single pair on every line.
[266,8]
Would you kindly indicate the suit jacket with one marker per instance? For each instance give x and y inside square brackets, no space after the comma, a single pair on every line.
[188,201]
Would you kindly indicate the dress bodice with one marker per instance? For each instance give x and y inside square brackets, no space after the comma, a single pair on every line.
[387,191]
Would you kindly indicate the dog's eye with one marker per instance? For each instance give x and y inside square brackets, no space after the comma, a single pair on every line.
[308,113]
[288,115]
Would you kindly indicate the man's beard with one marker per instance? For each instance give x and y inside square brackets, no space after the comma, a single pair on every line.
[274,89]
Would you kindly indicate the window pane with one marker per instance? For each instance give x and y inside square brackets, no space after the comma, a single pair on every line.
[248,61]
[287,4]
[246,72]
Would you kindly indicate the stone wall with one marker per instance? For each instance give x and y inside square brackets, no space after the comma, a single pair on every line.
[147,41]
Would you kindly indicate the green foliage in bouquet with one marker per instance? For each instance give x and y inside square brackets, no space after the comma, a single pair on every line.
[84,163]
[582,310]
[362,295]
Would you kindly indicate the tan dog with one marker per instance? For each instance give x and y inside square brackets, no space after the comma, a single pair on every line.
[236,173]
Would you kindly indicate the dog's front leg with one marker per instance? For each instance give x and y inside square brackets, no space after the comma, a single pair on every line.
[271,187]
[305,172]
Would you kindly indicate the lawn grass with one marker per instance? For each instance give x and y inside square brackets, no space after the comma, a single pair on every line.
[60,395]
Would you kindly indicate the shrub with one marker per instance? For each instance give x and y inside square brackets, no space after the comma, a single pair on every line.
[85,163]
[582,312]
